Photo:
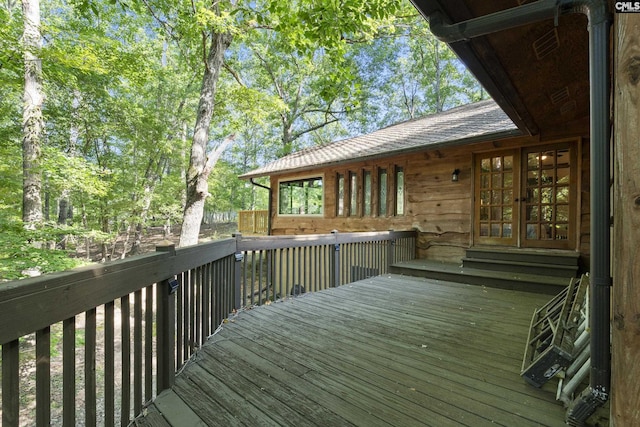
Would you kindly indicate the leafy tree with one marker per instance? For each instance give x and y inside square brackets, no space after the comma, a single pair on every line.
[11,76]
[312,89]
[123,109]
[409,74]
[304,25]
[32,121]
[140,94]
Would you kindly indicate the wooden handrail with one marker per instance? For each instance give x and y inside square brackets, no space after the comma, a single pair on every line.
[250,243]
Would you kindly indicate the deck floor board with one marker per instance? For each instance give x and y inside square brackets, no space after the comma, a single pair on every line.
[386,351]
[418,361]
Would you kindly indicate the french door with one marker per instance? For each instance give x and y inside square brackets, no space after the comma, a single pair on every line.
[526,197]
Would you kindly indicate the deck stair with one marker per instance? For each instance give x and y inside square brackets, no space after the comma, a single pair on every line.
[545,263]
[525,270]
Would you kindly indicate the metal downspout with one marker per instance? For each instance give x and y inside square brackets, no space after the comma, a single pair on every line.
[257,184]
[600,275]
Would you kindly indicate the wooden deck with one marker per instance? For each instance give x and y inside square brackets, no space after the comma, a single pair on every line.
[387,351]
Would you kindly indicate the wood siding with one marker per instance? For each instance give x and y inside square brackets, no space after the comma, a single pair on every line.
[439,209]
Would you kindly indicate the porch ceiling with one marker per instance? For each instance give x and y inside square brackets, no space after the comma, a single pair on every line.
[537,73]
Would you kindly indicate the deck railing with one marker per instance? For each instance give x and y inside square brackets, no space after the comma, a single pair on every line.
[278,266]
[253,222]
[128,326]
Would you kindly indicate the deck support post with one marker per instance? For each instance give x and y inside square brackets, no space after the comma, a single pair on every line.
[391,253]
[166,308]
[335,262]
[237,274]
[625,393]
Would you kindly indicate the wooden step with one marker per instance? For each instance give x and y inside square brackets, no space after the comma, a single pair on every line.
[535,256]
[498,279]
[556,270]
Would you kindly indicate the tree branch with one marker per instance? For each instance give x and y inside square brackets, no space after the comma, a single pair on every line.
[312,128]
[214,156]
[272,75]
[234,73]
[168,28]
[164,24]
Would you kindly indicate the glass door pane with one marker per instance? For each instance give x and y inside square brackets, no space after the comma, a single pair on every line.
[548,198]
[496,215]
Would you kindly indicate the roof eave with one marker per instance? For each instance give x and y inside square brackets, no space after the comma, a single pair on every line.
[481,61]
[431,147]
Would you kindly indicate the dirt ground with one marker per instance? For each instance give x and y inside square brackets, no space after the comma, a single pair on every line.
[208,232]
[152,236]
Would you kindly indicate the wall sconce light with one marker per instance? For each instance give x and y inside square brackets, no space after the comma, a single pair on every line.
[454,175]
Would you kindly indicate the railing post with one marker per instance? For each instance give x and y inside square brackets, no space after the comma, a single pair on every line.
[255,221]
[335,263]
[391,253]
[165,318]
[237,273]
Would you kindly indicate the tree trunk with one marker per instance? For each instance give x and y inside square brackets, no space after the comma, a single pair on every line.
[63,209]
[287,136]
[47,199]
[198,173]
[32,122]
[151,179]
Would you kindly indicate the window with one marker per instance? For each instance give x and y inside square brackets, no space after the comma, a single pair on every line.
[382,192]
[366,196]
[301,197]
[353,192]
[399,191]
[340,196]
[371,192]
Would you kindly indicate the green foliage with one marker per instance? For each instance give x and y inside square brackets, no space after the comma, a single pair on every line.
[309,24]
[409,75]
[67,172]
[122,83]
[18,253]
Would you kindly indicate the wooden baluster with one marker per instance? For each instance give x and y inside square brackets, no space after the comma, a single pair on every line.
[137,352]
[90,413]
[125,345]
[148,343]
[10,384]
[43,377]
[109,365]
[69,372]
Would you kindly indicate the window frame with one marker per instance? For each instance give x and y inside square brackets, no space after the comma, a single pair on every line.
[396,200]
[378,208]
[354,181]
[367,172]
[340,194]
[382,204]
[304,178]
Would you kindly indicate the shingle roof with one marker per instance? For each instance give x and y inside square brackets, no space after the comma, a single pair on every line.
[462,125]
